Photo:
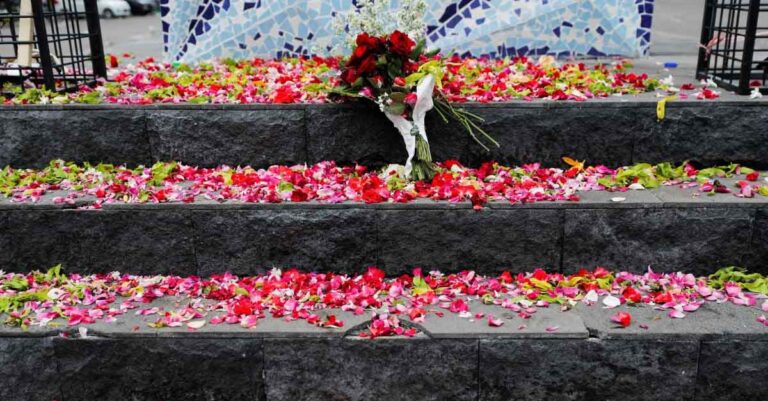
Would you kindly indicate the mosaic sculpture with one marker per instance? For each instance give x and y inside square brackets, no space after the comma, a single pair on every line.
[195,30]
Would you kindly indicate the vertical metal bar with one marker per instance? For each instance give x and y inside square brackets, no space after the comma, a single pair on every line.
[94,35]
[731,37]
[53,18]
[707,33]
[76,53]
[720,10]
[749,47]
[42,45]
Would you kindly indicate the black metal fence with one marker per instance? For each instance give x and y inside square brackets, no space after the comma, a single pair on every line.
[54,44]
[734,50]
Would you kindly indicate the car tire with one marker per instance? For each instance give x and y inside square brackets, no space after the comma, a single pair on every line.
[107,13]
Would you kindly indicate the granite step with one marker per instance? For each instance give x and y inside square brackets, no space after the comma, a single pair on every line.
[716,353]
[614,131]
[669,229]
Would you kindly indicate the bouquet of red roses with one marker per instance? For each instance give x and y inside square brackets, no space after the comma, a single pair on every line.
[396,73]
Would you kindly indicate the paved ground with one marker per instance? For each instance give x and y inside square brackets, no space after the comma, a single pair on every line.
[139,35]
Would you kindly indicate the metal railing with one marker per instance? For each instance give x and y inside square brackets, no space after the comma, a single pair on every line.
[734,49]
[54,44]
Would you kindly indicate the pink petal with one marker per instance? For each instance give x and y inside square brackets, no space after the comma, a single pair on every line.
[692,307]
[674,313]
[494,322]
[249,321]
[552,329]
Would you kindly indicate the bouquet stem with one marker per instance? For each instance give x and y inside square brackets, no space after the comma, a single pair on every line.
[423,168]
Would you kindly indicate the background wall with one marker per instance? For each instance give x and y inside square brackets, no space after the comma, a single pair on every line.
[195,30]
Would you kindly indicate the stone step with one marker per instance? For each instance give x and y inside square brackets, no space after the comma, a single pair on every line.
[615,131]
[586,357]
[669,229]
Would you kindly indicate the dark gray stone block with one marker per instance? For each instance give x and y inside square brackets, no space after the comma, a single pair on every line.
[353,135]
[611,132]
[757,258]
[587,370]
[161,369]
[538,134]
[362,134]
[259,137]
[252,241]
[385,369]
[146,241]
[39,239]
[28,370]
[488,240]
[694,240]
[733,370]
[32,138]
[709,134]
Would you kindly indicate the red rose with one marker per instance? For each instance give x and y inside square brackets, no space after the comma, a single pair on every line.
[400,43]
[410,67]
[349,75]
[368,65]
[358,54]
[411,98]
[369,41]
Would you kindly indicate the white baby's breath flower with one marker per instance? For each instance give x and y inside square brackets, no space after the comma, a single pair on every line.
[375,18]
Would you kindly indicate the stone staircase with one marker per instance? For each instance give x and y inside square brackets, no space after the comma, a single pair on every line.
[720,353]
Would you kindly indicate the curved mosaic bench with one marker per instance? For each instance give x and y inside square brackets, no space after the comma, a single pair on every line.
[205,29]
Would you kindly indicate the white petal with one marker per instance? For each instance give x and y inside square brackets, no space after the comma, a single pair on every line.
[611,302]
[196,324]
[591,297]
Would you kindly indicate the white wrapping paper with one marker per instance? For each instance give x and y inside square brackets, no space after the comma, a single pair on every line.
[423,104]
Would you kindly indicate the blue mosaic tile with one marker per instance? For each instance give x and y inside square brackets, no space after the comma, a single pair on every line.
[196,30]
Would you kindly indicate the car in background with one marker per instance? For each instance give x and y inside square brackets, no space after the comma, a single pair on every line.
[142,7]
[114,8]
[107,8]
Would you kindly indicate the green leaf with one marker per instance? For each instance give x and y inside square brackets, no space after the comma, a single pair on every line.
[396,108]
[418,49]
[754,282]
[284,186]
[420,287]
